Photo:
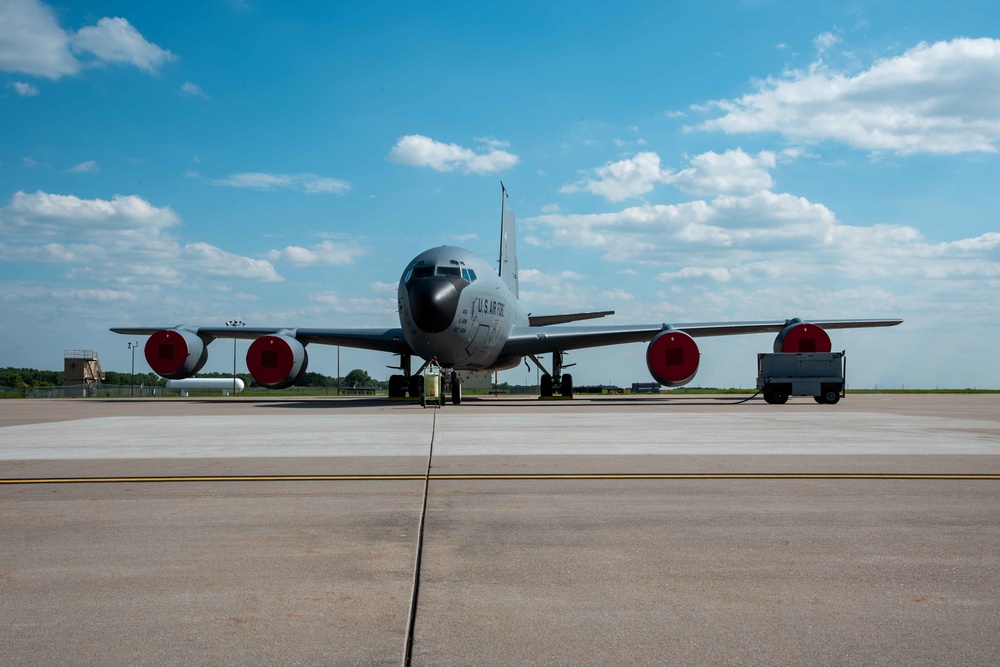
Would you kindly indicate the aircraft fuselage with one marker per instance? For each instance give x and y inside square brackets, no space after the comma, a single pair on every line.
[453,307]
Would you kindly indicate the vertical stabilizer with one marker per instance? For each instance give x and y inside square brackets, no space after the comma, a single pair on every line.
[508,246]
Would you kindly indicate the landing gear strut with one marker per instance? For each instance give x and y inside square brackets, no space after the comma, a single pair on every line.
[399,385]
[556,381]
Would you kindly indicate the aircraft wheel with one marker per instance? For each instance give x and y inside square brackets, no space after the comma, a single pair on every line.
[416,386]
[546,388]
[397,386]
[456,389]
[567,385]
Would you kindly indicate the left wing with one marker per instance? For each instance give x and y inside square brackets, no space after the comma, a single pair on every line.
[540,340]
[381,340]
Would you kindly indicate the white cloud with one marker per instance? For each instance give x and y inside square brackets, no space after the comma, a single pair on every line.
[763,238]
[44,215]
[32,42]
[88,167]
[620,180]
[327,252]
[421,151]
[732,172]
[309,183]
[25,89]
[825,41]
[114,40]
[123,240]
[934,98]
[192,89]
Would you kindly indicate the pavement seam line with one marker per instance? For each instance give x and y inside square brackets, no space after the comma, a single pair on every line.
[411,620]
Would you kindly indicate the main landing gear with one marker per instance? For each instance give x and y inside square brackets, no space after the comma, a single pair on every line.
[555,382]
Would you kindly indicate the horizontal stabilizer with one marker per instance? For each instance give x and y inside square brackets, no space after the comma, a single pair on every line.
[546,320]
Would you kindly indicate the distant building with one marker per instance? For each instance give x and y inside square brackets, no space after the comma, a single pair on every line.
[82,372]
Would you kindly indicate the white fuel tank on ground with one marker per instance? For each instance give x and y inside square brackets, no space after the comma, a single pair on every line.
[205,384]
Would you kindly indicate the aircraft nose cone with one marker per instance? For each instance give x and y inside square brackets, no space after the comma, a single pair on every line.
[433,302]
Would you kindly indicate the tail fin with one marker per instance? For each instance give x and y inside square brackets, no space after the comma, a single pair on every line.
[508,245]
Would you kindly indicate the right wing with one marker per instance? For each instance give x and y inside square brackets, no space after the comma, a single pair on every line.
[540,340]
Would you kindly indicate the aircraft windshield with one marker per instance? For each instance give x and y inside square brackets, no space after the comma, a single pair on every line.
[425,271]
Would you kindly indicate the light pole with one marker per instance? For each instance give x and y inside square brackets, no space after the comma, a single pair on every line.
[235,323]
[132,347]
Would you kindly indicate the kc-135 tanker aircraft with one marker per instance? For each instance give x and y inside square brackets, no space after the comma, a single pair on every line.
[460,313]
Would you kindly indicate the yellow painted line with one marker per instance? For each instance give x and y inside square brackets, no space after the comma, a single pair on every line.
[506,477]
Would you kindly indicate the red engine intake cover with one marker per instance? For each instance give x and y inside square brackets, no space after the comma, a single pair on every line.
[802,337]
[276,361]
[175,354]
[672,358]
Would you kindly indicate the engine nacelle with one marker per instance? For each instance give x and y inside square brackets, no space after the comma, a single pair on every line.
[176,353]
[277,361]
[672,358]
[801,336]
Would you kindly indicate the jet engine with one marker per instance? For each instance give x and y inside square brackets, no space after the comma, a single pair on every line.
[176,353]
[672,358]
[277,361]
[801,336]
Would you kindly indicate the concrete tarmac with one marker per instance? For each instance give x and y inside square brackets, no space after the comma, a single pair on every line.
[666,531]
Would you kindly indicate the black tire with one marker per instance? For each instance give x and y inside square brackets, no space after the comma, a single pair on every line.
[831,397]
[397,386]
[416,386]
[567,385]
[546,388]
[776,394]
[820,399]
[456,389]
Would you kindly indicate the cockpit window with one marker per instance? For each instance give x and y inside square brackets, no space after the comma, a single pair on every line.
[423,271]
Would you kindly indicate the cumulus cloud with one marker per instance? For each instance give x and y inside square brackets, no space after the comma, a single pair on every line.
[765,237]
[32,42]
[327,252]
[620,180]
[309,183]
[125,239]
[421,151]
[114,40]
[731,172]
[934,98]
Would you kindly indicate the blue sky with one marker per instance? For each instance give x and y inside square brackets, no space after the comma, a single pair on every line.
[167,163]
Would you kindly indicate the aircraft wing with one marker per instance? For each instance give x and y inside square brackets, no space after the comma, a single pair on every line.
[546,320]
[539,340]
[382,340]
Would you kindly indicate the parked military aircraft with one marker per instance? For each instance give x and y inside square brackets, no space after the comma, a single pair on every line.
[455,310]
